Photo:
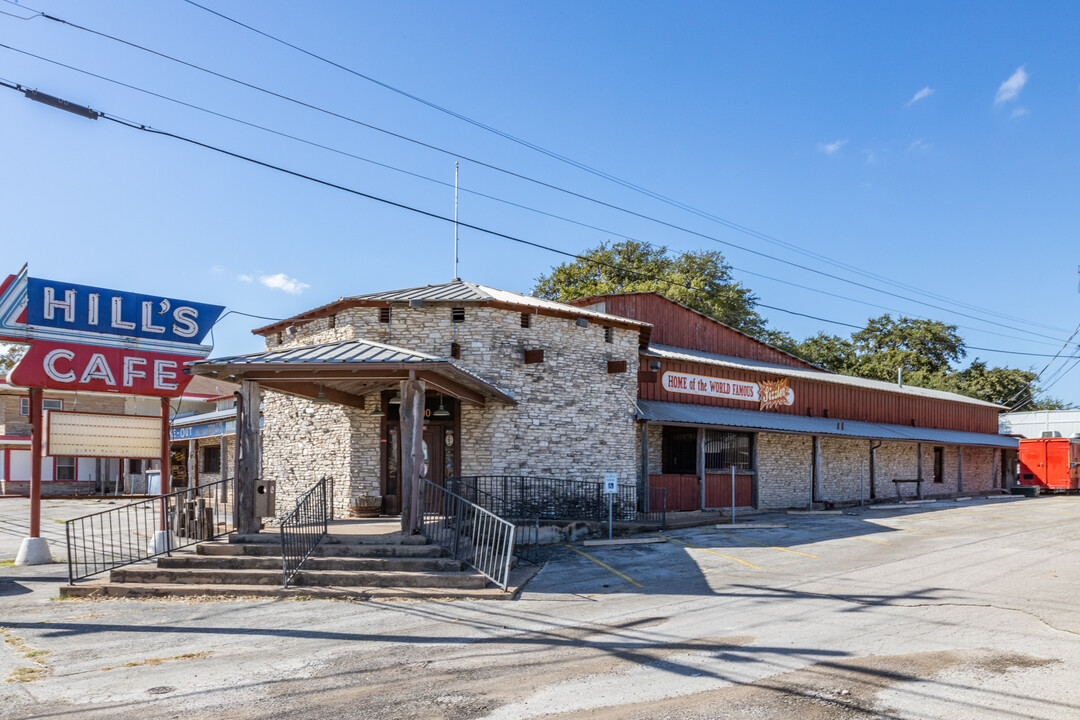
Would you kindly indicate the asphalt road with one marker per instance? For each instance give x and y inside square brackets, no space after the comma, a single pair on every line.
[952,610]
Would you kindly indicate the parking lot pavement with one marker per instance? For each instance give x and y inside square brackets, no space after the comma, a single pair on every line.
[946,610]
[15,521]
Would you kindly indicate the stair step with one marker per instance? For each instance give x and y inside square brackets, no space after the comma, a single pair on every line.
[332,550]
[273,562]
[104,589]
[332,539]
[307,578]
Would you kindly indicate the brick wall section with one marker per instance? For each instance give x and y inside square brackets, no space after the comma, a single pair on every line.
[784,467]
[843,462]
[51,488]
[573,419]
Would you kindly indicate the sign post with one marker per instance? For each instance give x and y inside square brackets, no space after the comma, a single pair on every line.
[92,339]
[732,494]
[611,487]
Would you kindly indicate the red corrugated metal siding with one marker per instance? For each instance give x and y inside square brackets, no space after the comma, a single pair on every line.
[676,325]
[816,399]
[683,492]
[718,490]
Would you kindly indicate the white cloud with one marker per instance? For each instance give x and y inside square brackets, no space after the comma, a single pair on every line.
[831,147]
[245,278]
[281,281]
[1019,112]
[924,93]
[871,157]
[919,144]
[217,269]
[1011,88]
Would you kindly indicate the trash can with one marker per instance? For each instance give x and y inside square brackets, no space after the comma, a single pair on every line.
[265,491]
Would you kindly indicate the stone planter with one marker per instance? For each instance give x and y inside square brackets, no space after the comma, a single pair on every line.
[365,506]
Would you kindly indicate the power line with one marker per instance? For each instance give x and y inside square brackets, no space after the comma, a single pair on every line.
[571,193]
[426,178]
[594,171]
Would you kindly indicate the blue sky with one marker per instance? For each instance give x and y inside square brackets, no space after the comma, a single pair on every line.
[934,144]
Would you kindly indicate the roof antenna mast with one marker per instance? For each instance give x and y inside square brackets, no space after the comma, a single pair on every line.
[456,278]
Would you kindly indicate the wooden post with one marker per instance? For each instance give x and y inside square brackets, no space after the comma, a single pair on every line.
[918,447]
[701,467]
[192,464]
[249,461]
[815,491]
[223,464]
[412,451]
[643,481]
[960,468]
[35,462]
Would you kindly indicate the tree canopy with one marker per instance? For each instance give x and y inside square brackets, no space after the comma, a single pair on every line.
[698,279]
[926,352]
[9,355]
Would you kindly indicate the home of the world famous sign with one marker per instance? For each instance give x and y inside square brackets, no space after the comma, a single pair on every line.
[93,339]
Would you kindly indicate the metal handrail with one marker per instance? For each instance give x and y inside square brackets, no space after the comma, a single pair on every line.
[124,535]
[470,533]
[524,497]
[304,527]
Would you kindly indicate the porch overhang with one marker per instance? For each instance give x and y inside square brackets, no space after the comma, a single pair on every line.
[345,372]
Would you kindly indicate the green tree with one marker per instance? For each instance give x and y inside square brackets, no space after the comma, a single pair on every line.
[630,266]
[9,355]
[926,348]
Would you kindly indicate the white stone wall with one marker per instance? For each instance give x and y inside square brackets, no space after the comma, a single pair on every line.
[573,419]
[784,470]
[845,469]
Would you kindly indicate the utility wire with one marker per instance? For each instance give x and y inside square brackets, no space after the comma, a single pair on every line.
[443,183]
[599,173]
[541,183]
[474,192]
[494,233]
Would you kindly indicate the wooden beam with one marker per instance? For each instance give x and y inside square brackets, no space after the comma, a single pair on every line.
[451,387]
[412,453]
[310,391]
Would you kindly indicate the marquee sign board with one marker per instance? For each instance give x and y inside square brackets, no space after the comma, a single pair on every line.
[86,338]
[769,394]
[78,434]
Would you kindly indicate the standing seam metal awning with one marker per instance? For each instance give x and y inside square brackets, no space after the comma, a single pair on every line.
[343,372]
[668,412]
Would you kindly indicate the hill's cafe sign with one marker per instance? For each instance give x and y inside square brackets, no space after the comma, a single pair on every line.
[769,394]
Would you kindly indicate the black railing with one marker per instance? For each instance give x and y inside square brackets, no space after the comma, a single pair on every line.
[145,529]
[470,533]
[304,527]
[523,497]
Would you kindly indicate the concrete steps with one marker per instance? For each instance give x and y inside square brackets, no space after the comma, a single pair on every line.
[388,566]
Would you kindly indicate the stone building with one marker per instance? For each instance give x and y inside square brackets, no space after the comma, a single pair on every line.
[633,384]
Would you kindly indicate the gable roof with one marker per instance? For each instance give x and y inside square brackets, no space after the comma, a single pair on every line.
[459,291]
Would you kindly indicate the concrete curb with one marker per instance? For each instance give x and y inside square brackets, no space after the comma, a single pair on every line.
[624,541]
[815,512]
[751,526]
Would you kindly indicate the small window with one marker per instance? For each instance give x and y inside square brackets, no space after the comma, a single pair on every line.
[65,468]
[726,449]
[679,450]
[457,315]
[211,458]
[384,315]
[134,466]
[46,404]
[609,334]
[939,465]
[526,320]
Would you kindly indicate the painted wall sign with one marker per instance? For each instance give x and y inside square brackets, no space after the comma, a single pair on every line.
[211,429]
[77,434]
[100,340]
[770,394]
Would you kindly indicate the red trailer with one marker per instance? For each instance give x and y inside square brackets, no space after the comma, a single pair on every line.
[1050,463]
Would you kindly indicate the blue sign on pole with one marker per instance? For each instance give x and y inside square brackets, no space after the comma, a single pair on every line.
[83,308]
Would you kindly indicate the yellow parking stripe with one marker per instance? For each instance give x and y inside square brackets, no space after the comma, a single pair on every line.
[607,567]
[771,547]
[713,552]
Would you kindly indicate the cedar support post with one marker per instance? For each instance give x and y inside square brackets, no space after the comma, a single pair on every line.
[250,464]
[412,451]
[701,467]
[223,466]
[643,479]
[918,447]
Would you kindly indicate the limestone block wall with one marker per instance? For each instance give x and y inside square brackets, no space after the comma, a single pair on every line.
[303,440]
[845,469]
[896,460]
[656,448]
[979,470]
[785,463]
[227,461]
[573,419]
